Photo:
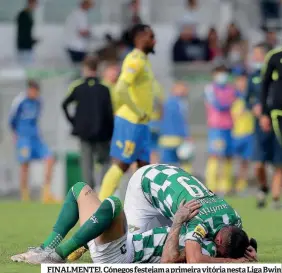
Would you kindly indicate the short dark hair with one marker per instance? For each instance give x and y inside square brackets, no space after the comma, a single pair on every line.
[261,45]
[136,30]
[31,83]
[237,242]
[219,68]
[91,62]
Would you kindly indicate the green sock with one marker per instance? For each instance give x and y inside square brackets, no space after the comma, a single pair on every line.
[67,218]
[100,221]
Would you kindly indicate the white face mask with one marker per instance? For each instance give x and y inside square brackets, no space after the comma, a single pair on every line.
[221,78]
[256,65]
[234,56]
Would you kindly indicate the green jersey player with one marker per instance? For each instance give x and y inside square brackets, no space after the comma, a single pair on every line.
[155,193]
[103,228]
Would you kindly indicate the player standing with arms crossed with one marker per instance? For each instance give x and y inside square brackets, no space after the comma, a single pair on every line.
[131,138]
[24,115]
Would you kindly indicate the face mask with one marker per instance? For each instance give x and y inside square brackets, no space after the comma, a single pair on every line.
[221,78]
[235,56]
[256,65]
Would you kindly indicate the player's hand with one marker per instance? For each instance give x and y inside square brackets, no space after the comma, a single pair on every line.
[251,254]
[144,118]
[265,123]
[242,260]
[186,212]
[257,110]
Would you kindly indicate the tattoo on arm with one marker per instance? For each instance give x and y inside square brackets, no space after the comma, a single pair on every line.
[88,192]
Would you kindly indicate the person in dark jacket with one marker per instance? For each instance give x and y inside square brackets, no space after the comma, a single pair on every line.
[25,40]
[93,120]
[189,48]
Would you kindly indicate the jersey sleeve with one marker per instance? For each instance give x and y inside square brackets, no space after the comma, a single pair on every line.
[196,231]
[15,111]
[131,68]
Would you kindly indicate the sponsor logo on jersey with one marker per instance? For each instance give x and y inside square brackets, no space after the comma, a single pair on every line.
[94,219]
[199,232]
[131,70]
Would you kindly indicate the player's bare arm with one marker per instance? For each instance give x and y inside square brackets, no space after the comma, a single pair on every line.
[171,252]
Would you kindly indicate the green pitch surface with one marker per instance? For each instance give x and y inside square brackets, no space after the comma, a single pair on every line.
[24,225]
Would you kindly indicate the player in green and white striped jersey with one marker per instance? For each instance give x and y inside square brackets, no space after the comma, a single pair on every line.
[103,227]
[155,193]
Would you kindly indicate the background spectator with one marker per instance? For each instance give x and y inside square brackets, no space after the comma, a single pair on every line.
[188,47]
[233,36]
[93,100]
[215,50]
[191,15]
[270,12]
[271,40]
[236,58]
[25,40]
[78,32]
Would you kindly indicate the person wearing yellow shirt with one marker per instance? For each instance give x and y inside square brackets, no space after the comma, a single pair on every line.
[242,133]
[110,74]
[134,88]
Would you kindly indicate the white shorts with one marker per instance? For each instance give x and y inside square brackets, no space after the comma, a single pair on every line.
[117,252]
[140,214]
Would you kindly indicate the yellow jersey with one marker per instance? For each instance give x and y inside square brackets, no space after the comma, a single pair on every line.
[242,118]
[137,73]
[114,97]
[158,93]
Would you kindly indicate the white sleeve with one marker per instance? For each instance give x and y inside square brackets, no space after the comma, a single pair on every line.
[82,22]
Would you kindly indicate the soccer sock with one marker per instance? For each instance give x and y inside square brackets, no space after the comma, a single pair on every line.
[67,218]
[110,182]
[211,173]
[187,167]
[227,175]
[100,221]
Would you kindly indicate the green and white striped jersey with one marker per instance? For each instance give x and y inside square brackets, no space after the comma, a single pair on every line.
[165,187]
[148,246]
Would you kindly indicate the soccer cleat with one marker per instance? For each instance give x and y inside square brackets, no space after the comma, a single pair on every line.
[276,204]
[77,254]
[49,199]
[30,252]
[47,256]
[261,200]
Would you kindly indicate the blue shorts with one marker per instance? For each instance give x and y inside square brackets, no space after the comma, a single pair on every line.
[130,142]
[266,147]
[243,147]
[220,142]
[169,156]
[31,148]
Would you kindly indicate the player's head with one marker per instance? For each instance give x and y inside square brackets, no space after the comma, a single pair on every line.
[110,72]
[33,89]
[220,74]
[143,38]
[231,242]
[31,4]
[89,67]
[180,89]
[86,4]
[258,56]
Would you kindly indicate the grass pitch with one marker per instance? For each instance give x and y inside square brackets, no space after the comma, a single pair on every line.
[28,224]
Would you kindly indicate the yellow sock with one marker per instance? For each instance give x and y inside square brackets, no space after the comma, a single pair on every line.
[25,194]
[211,173]
[110,182]
[241,185]
[187,167]
[226,181]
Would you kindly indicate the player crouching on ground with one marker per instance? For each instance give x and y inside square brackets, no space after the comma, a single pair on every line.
[104,229]
[24,115]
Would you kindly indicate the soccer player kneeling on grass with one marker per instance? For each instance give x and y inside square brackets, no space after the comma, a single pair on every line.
[25,112]
[104,229]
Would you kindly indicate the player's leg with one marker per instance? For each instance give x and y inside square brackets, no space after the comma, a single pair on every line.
[154,156]
[123,152]
[87,162]
[225,185]
[277,175]
[24,156]
[141,215]
[215,145]
[40,151]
